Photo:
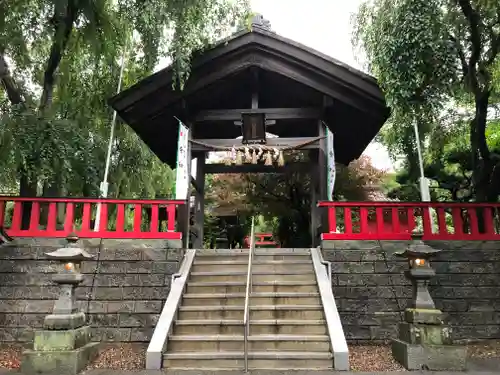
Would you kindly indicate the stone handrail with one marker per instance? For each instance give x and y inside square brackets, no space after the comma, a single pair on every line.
[335,331]
[154,353]
[246,314]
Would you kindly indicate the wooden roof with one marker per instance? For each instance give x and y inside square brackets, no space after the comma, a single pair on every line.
[290,75]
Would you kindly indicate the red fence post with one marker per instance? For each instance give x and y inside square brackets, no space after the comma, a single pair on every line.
[72,213]
[377,229]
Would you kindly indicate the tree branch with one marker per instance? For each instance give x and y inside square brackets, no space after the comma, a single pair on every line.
[11,88]
[63,24]
[461,55]
[473,19]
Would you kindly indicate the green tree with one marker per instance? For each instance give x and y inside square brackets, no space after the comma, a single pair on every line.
[283,200]
[59,62]
[430,56]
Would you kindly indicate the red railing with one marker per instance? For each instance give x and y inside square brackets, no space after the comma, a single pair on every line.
[396,221]
[119,218]
[262,239]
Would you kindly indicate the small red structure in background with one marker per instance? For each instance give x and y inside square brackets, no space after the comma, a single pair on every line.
[61,216]
[262,239]
[396,221]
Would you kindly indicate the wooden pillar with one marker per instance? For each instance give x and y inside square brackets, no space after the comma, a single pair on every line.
[199,209]
[314,209]
[184,214]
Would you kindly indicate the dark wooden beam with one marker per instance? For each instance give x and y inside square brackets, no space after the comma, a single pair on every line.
[199,202]
[271,114]
[271,142]
[193,182]
[255,168]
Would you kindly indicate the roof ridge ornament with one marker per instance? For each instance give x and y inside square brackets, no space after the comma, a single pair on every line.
[258,21]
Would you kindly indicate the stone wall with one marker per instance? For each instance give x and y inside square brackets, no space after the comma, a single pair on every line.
[130,287]
[371,291]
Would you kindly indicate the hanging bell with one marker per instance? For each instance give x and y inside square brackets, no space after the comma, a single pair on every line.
[268,158]
[281,159]
[239,158]
[248,157]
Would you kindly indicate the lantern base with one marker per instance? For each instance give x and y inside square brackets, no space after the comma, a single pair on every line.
[59,352]
[429,357]
[424,316]
[64,321]
[424,343]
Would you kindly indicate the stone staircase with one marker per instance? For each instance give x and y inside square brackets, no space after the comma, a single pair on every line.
[287,326]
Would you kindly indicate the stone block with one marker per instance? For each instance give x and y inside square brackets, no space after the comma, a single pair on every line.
[64,321]
[424,334]
[111,334]
[119,307]
[424,316]
[67,362]
[148,307]
[63,340]
[141,335]
[138,320]
[103,320]
[128,254]
[430,357]
[348,267]
[372,292]
[141,266]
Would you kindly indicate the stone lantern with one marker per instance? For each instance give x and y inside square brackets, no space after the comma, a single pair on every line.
[63,346]
[424,341]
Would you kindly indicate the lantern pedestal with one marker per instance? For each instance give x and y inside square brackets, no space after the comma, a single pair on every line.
[59,352]
[63,346]
[424,341]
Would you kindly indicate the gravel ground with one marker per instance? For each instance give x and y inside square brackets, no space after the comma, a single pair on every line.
[121,357]
[372,358]
[10,356]
[487,349]
[131,356]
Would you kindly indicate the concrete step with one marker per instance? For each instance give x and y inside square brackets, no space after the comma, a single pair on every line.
[258,286]
[225,299]
[228,343]
[268,312]
[209,327]
[257,327]
[290,275]
[288,327]
[257,251]
[257,360]
[259,255]
[271,266]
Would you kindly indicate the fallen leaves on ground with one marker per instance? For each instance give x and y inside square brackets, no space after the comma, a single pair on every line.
[368,358]
[10,356]
[120,357]
[486,349]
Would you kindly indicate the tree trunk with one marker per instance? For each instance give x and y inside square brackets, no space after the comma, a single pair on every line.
[481,159]
[65,15]
[27,188]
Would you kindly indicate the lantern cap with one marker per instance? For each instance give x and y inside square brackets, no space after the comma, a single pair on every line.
[418,248]
[71,253]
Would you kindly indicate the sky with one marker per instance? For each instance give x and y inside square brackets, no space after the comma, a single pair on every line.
[324,25]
